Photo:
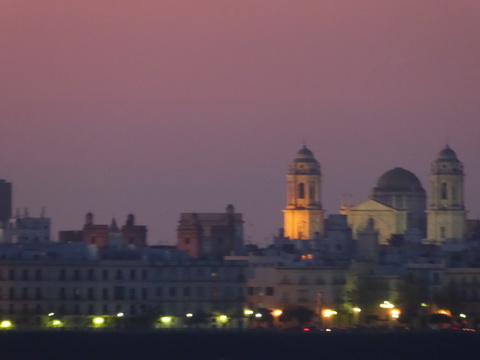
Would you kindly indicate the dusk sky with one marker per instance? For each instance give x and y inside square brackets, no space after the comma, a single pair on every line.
[159,107]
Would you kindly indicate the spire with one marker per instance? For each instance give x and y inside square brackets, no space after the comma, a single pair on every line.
[113,226]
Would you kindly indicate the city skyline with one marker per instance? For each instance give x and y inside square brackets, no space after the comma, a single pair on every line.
[163,108]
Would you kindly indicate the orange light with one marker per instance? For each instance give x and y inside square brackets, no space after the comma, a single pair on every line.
[328,313]
[277,312]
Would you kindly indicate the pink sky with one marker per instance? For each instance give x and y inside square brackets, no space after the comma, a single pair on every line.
[161,107]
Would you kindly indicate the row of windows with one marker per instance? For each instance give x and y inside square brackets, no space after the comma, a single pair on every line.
[465,280]
[120,293]
[318,281]
[125,274]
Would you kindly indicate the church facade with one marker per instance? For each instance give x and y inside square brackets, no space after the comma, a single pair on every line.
[397,204]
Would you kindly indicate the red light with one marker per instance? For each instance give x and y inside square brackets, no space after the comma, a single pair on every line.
[306,329]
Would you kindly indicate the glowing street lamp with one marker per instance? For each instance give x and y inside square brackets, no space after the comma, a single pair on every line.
[327,313]
[277,312]
[395,313]
[98,320]
[166,320]
[6,324]
[357,309]
[387,305]
[223,318]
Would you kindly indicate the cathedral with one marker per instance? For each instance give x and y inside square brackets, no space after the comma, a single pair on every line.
[397,205]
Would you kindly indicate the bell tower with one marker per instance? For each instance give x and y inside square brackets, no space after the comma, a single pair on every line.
[303,215]
[446,213]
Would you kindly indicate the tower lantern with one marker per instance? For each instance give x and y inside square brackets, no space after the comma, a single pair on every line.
[303,215]
[446,212]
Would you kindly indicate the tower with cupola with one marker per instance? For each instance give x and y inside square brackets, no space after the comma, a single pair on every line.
[446,213]
[303,215]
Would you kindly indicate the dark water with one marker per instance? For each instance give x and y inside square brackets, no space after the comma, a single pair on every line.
[68,345]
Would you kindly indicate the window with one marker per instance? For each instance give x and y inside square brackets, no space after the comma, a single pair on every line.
[172,292]
[269,291]
[76,274]
[118,274]
[187,241]
[90,294]
[118,293]
[25,294]
[132,274]
[61,294]
[312,192]
[76,293]
[105,274]
[25,274]
[443,191]
[144,274]
[90,274]
[132,294]
[186,292]
[62,274]
[11,274]
[105,293]
[159,292]
[38,274]
[301,191]
[144,294]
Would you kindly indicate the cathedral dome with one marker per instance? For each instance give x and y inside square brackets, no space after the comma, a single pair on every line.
[304,155]
[398,179]
[447,154]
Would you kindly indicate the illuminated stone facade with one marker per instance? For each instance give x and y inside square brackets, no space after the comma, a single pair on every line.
[303,215]
[446,213]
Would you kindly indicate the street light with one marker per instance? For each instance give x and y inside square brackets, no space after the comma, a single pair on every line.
[387,305]
[277,312]
[327,313]
[395,313]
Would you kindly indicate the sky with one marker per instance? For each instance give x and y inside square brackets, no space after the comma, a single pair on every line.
[159,107]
